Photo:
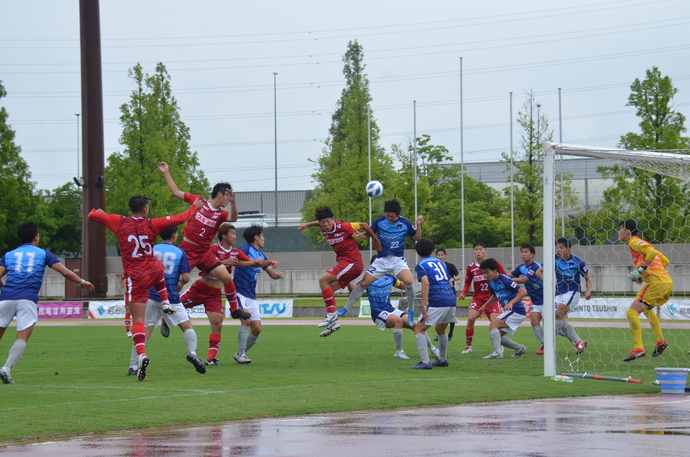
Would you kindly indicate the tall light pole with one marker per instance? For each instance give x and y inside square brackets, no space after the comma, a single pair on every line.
[275,136]
[78,143]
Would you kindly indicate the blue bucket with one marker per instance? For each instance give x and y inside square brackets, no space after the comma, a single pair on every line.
[672,380]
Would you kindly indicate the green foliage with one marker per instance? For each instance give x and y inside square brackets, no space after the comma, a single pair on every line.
[342,168]
[152,132]
[60,220]
[659,203]
[18,202]
[528,164]
[72,380]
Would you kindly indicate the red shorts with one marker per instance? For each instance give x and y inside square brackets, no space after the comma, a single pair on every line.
[138,286]
[200,256]
[494,308]
[201,294]
[347,271]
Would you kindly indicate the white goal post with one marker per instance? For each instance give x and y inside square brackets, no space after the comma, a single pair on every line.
[668,163]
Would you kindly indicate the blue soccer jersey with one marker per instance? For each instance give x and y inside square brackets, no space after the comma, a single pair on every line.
[568,274]
[175,264]
[246,277]
[392,235]
[25,268]
[534,285]
[505,289]
[441,294]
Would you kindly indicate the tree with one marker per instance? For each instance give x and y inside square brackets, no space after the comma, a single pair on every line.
[59,219]
[528,175]
[660,203]
[18,202]
[342,168]
[438,198]
[152,131]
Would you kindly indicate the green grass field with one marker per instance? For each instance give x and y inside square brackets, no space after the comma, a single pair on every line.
[72,380]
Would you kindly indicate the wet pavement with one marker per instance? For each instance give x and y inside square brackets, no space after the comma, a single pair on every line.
[627,426]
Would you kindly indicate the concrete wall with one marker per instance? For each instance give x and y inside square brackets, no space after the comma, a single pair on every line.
[609,267]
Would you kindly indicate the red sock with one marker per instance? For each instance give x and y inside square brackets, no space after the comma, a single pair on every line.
[469,334]
[213,345]
[128,322]
[231,296]
[329,299]
[139,337]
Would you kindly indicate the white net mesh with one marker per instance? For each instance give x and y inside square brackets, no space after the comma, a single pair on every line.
[658,200]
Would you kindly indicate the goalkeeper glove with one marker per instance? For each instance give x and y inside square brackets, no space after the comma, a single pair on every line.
[168,309]
[240,314]
[636,275]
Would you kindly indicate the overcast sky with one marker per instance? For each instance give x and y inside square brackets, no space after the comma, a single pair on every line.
[221,56]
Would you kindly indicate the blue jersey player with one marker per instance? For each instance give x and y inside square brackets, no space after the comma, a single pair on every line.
[569,271]
[245,283]
[25,267]
[438,304]
[509,294]
[176,275]
[531,274]
[386,316]
[392,229]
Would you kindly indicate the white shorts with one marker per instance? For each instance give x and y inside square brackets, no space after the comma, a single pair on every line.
[383,317]
[537,309]
[512,320]
[26,312]
[387,265]
[568,299]
[154,311]
[250,305]
[440,315]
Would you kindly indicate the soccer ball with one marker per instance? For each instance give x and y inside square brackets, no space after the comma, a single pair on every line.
[374,189]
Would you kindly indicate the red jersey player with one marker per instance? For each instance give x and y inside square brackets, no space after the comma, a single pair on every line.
[142,270]
[482,293]
[206,290]
[340,235]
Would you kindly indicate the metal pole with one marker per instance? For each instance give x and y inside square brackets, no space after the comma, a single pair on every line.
[78,143]
[549,262]
[560,161]
[275,141]
[512,189]
[371,246]
[414,147]
[462,176]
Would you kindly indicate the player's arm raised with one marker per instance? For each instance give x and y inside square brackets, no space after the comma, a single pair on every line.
[418,234]
[306,225]
[163,167]
[234,213]
[375,242]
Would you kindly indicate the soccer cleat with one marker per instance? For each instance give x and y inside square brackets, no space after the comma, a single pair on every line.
[422,366]
[241,359]
[212,362]
[519,352]
[661,346]
[439,363]
[580,347]
[635,354]
[468,350]
[165,330]
[434,350]
[494,355]
[194,360]
[329,320]
[450,337]
[129,334]
[401,355]
[143,364]
[540,351]
[240,313]
[330,329]
[5,376]
[132,371]
[341,312]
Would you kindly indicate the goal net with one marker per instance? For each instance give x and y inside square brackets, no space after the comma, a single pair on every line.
[653,188]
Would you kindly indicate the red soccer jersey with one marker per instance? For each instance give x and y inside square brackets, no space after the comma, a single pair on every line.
[342,242]
[219,251]
[204,224]
[474,274]
[137,236]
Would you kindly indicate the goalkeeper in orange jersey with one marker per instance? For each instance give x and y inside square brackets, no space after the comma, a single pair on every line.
[651,270]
